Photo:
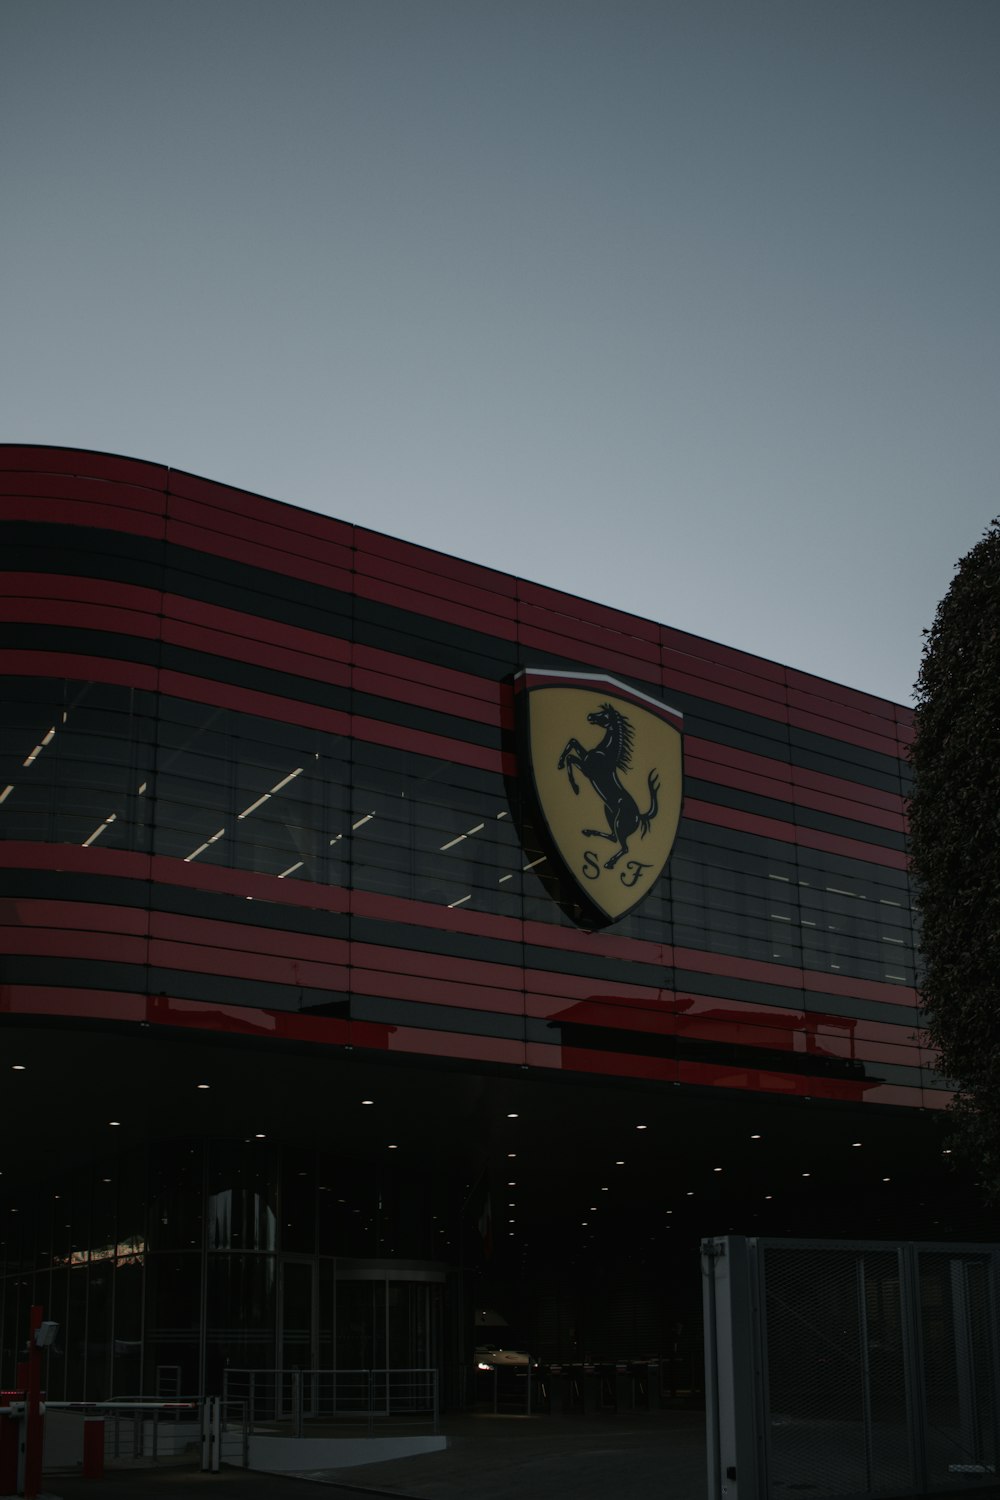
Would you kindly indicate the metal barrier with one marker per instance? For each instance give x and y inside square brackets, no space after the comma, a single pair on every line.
[855,1368]
[367,1400]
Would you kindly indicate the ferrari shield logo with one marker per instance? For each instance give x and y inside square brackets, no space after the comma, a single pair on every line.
[606,765]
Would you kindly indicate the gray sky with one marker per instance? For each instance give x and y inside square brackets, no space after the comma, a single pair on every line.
[690,307]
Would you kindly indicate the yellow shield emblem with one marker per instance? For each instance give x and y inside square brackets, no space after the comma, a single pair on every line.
[606,763]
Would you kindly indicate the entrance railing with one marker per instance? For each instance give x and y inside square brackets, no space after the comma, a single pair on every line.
[344,1400]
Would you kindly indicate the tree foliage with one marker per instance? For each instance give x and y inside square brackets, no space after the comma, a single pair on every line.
[955,842]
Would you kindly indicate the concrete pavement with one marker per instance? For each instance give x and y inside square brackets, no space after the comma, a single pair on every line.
[632,1456]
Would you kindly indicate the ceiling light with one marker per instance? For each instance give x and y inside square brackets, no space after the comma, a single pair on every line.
[716,1169]
[114,1122]
[768,1197]
[886,1179]
[368,1101]
[855,1143]
[619,1163]
[755,1137]
[511,1155]
[17,1067]
[512,1117]
[393,1147]
[203,1085]
[260,1136]
[689,1194]
[806,1174]
[642,1127]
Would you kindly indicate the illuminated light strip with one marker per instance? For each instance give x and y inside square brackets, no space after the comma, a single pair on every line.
[901,941]
[141,789]
[254,806]
[6,792]
[460,902]
[534,862]
[478,829]
[503,878]
[200,850]
[99,830]
[362,821]
[291,868]
[45,740]
[290,777]
[503,815]
[337,839]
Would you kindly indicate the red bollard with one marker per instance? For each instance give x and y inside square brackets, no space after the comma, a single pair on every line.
[93,1447]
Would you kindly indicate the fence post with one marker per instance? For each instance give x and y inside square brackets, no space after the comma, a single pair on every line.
[297,1403]
[210,1434]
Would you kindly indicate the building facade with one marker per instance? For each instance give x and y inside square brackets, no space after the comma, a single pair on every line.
[313,1042]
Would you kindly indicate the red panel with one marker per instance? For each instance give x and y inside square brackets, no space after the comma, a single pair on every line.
[247,883]
[436,966]
[245,504]
[574,609]
[810,838]
[835,786]
[96,617]
[78,513]
[258,628]
[428,586]
[765,708]
[862,989]
[42,459]
[270,533]
[18,855]
[492,1049]
[564,626]
[835,730]
[424,914]
[248,701]
[726,656]
[398,689]
[54,942]
[234,964]
[435,991]
[31,999]
[835,692]
[799,796]
[439,564]
[92,491]
[86,590]
[461,684]
[435,608]
[581,650]
[207,932]
[881,725]
[84,668]
[28,912]
[418,742]
[708,674]
[257,555]
[273,657]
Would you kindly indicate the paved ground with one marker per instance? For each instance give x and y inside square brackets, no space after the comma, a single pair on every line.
[633,1456]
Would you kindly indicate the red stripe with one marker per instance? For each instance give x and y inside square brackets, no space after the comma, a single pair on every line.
[678,664]
[258,555]
[42,459]
[130,497]
[427,586]
[247,504]
[484,580]
[465,617]
[789,833]
[577,633]
[81,513]
[556,602]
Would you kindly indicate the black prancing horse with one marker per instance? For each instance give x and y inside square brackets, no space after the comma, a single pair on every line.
[601,767]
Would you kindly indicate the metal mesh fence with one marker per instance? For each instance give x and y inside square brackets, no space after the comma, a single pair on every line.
[851,1368]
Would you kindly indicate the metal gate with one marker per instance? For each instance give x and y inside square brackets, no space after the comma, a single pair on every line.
[849,1368]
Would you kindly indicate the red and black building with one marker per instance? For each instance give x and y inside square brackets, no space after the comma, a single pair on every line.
[309,1049]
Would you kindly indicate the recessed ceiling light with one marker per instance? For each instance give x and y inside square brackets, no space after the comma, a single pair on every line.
[619,1163]
[806,1174]
[260,1136]
[17,1067]
[886,1179]
[855,1143]
[716,1169]
[114,1122]
[393,1148]
[203,1085]
[689,1194]
[511,1155]
[768,1197]
[368,1101]
[755,1137]
[642,1127]
[604,1190]
[512,1184]
[512,1117]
